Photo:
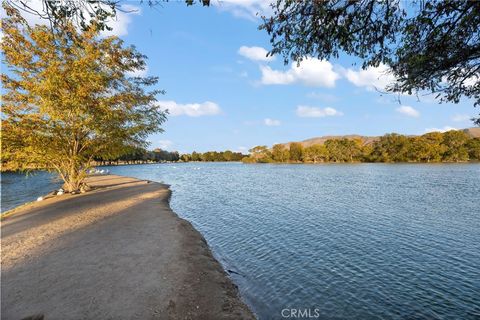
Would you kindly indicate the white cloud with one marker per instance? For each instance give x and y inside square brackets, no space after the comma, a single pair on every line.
[271,122]
[372,78]
[119,24]
[247,9]
[468,82]
[472,80]
[314,112]
[165,144]
[138,73]
[207,108]
[255,53]
[461,117]
[408,111]
[311,72]
[444,129]
[270,76]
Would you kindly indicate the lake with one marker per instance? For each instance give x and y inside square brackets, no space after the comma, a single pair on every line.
[18,188]
[343,241]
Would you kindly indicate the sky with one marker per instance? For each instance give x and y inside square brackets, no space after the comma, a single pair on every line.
[223,92]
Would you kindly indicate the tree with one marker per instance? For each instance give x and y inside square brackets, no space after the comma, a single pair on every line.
[455,145]
[228,155]
[426,148]
[334,150]
[68,98]
[280,153]
[296,151]
[352,149]
[214,156]
[431,147]
[473,147]
[367,151]
[196,156]
[133,154]
[437,149]
[315,153]
[344,150]
[391,148]
[420,149]
[428,45]
[261,154]
[81,13]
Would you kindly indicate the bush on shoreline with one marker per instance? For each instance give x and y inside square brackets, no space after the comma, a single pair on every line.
[213,156]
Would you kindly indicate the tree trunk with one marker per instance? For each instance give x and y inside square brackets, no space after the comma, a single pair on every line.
[73,179]
[72,184]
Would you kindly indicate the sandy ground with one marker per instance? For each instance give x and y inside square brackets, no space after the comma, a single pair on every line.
[118,252]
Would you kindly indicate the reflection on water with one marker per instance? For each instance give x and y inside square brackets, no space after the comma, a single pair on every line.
[362,241]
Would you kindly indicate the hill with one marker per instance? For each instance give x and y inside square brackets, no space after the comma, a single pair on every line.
[472,132]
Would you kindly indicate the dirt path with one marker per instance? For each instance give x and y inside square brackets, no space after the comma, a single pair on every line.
[118,252]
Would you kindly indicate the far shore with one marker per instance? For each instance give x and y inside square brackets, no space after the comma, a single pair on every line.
[116,252]
[474,161]
[115,164]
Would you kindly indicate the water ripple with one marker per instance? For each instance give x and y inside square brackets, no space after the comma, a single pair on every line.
[363,241]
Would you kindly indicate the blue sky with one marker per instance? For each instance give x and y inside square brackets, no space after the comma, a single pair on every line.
[223,93]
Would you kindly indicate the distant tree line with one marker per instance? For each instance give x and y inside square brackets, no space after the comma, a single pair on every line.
[213,156]
[140,155]
[451,146]
[135,155]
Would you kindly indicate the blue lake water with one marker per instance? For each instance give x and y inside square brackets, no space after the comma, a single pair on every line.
[360,241]
[18,188]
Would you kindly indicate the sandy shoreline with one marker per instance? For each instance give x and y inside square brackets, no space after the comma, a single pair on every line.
[118,252]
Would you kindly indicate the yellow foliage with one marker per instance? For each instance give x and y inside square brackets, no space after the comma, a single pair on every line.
[68,98]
